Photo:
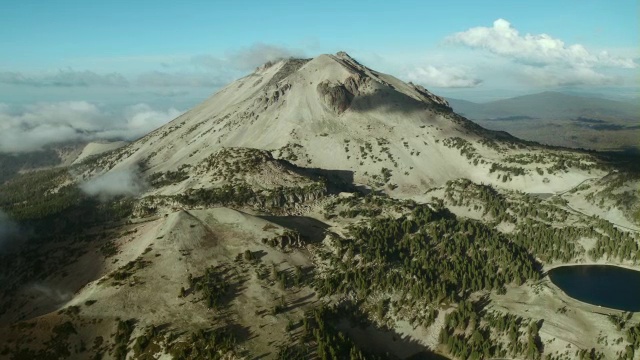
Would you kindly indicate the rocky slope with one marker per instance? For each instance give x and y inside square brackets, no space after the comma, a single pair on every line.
[333,113]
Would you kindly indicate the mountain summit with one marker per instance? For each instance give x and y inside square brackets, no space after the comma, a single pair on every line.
[331,112]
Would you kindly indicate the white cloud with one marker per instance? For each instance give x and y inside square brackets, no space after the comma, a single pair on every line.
[259,53]
[247,58]
[503,39]
[452,77]
[209,70]
[114,183]
[139,120]
[33,127]
[64,78]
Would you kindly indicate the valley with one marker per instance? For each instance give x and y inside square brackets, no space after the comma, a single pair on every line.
[560,119]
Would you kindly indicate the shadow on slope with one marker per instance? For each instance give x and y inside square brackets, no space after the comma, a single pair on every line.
[309,228]
[337,180]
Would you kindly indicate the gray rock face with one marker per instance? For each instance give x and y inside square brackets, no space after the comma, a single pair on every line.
[354,84]
[428,95]
[335,96]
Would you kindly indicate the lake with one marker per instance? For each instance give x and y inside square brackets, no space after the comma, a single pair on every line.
[608,286]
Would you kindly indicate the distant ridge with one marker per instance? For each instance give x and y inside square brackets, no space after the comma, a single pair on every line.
[548,105]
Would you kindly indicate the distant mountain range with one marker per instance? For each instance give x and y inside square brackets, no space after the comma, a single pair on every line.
[548,105]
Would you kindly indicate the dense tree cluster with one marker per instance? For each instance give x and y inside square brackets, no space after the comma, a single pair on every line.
[541,225]
[463,192]
[322,340]
[161,179]
[469,335]
[549,243]
[240,194]
[633,336]
[32,195]
[465,147]
[589,354]
[12,164]
[509,170]
[427,254]
[57,347]
[143,341]
[121,338]
[213,285]
[614,243]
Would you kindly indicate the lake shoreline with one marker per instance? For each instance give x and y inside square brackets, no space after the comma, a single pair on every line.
[547,267]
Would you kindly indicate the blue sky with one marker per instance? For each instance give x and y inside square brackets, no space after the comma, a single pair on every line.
[170,55]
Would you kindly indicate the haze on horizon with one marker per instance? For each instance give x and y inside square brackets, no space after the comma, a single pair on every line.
[73,68]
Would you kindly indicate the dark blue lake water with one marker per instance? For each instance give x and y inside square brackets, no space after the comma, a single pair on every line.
[608,286]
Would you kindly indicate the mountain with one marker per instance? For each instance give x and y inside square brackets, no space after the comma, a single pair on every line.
[560,119]
[333,113]
[315,208]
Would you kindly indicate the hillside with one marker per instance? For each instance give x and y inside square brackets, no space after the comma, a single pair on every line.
[12,164]
[312,209]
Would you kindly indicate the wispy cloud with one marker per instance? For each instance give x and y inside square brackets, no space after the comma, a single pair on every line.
[259,53]
[64,78]
[247,58]
[33,127]
[186,79]
[52,293]
[126,182]
[448,77]
[214,70]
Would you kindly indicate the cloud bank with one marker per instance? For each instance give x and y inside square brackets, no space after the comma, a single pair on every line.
[119,182]
[32,127]
[449,77]
[503,39]
[541,59]
[186,79]
[64,78]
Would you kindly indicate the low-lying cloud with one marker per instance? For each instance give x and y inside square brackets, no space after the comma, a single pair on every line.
[33,127]
[185,79]
[63,78]
[127,182]
[55,295]
[449,77]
